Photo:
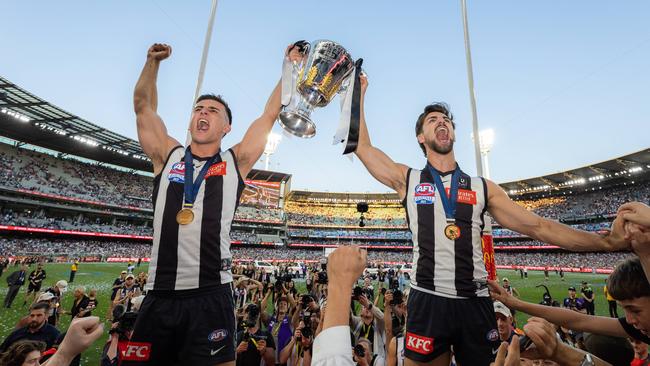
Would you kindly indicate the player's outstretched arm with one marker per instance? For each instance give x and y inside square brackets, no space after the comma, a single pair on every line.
[152,132]
[564,317]
[380,165]
[251,147]
[514,217]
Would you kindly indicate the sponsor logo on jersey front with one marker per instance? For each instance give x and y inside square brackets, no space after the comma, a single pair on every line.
[424,194]
[177,173]
[465,196]
[216,169]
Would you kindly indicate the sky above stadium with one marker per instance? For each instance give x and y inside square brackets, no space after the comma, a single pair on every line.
[563,84]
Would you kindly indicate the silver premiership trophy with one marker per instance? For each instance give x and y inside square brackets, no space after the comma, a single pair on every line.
[327,70]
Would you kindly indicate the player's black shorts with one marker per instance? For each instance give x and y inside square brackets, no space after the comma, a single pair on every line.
[187,329]
[32,288]
[436,323]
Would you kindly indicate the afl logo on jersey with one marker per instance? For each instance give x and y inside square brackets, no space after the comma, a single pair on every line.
[424,194]
[177,173]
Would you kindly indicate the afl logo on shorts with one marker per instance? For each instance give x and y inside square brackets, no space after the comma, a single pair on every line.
[493,335]
[177,173]
[424,194]
[218,335]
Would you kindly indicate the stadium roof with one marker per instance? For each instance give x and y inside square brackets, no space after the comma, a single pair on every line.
[625,168]
[27,118]
[268,176]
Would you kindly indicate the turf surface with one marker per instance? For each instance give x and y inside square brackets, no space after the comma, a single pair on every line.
[101,275]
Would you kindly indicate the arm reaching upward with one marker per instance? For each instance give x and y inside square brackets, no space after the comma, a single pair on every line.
[251,147]
[152,133]
[380,165]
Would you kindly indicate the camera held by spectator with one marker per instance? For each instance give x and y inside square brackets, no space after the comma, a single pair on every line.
[363,356]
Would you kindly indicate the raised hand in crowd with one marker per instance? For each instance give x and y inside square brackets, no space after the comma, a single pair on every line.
[636,216]
[81,334]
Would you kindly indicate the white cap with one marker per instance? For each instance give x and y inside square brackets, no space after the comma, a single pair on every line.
[62,285]
[502,309]
[45,296]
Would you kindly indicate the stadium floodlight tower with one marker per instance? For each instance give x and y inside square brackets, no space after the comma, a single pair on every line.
[486,141]
[272,141]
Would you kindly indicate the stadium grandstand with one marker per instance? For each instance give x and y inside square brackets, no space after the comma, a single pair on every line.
[72,189]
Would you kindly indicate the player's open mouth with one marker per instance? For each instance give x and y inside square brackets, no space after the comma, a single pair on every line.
[202,125]
[442,134]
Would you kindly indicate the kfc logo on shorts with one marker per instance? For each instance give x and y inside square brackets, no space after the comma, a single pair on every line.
[419,344]
[424,194]
[177,173]
[218,335]
[135,351]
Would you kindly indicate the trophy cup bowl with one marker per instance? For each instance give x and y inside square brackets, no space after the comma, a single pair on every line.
[322,76]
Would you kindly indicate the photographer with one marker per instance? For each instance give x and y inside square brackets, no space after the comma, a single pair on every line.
[395,320]
[363,356]
[298,351]
[243,286]
[306,305]
[394,313]
[120,334]
[370,325]
[279,323]
[254,344]
[127,292]
[368,289]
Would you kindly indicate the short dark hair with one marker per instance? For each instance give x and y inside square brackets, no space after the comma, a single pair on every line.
[434,107]
[628,281]
[40,306]
[217,98]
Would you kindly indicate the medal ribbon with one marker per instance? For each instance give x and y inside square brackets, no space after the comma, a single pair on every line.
[448,203]
[192,187]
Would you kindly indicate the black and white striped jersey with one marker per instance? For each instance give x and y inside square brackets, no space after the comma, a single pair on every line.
[441,266]
[196,255]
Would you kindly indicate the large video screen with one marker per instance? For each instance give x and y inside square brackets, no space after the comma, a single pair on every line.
[260,193]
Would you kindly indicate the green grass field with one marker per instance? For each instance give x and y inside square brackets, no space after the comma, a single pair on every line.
[101,275]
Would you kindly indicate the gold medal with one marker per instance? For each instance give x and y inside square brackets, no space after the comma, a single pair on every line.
[185,216]
[452,231]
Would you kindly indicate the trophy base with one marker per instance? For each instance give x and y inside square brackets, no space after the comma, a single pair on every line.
[297,124]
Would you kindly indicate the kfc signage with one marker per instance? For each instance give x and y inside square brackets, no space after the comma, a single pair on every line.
[419,344]
[135,351]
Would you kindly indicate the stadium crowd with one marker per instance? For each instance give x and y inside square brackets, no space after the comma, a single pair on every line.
[301,213]
[564,259]
[332,233]
[72,248]
[41,220]
[26,169]
[593,203]
[105,249]
[363,242]
[259,214]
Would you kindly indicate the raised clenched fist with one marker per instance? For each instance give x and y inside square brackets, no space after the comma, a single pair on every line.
[159,51]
